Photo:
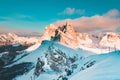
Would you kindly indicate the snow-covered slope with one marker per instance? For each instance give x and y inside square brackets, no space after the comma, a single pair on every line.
[106,68]
[41,51]
[78,61]
[44,48]
[94,66]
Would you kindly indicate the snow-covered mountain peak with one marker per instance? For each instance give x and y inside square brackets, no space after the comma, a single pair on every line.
[110,40]
[111,35]
[12,38]
[50,28]
[8,38]
[12,34]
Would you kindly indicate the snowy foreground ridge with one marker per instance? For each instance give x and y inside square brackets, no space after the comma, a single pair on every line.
[63,54]
[75,64]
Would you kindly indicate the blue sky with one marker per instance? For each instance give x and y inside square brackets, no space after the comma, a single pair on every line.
[34,15]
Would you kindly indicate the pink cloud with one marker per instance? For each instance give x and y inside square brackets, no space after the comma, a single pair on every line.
[108,21]
[112,13]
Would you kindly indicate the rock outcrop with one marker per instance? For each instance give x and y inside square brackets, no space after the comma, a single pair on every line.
[66,35]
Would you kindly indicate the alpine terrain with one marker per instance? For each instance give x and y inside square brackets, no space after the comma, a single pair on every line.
[60,53]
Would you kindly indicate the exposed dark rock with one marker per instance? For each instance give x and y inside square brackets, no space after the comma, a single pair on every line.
[16,70]
[10,52]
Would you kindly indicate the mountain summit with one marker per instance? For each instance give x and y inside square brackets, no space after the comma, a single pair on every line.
[66,35]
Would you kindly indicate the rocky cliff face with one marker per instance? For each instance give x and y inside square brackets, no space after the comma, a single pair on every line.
[49,32]
[66,35]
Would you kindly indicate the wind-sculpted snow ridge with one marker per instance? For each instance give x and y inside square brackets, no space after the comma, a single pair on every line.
[106,68]
[56,57]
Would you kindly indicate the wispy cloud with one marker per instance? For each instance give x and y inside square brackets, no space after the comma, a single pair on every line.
[16,17]
[18,22]
[71,11]
[4,18]
[22,16]
[107,21]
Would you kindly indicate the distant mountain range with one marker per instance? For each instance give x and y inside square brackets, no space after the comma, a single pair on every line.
[11,38]
[67,36]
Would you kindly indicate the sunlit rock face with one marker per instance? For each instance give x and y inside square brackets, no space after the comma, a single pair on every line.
[65,34]
[49,32]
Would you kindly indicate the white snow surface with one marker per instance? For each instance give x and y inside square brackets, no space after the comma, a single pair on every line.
[106,68]
[33,47]
[40,52]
